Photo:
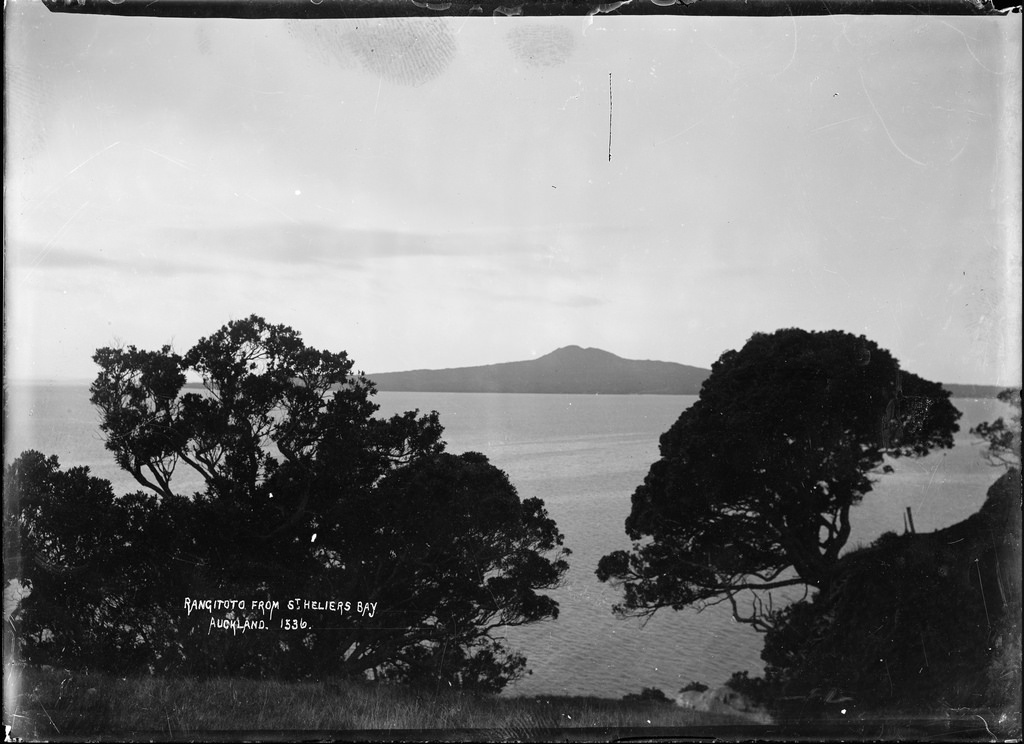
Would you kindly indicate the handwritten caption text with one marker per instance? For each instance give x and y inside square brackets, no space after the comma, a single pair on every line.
[242,615]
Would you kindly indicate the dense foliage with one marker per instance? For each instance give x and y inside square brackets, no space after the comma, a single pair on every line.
[97,567]
[1002,436]
[305,494]
[756,480]
[918,623]
[915,623]
[648,695]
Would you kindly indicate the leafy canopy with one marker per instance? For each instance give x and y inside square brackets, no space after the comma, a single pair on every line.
[756,480]
[94,564]
[1003,437]
[304,492]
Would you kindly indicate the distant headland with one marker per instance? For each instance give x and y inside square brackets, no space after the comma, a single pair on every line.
[577,370]
[570,369]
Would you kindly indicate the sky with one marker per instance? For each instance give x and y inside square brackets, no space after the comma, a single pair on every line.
[445,192]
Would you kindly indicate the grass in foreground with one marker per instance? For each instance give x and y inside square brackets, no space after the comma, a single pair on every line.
[43,704]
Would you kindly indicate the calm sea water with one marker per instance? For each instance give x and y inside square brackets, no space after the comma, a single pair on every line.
[583,455]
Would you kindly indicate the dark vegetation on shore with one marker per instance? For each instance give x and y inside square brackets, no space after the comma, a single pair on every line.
[915,624]
[973,391]
[412,558]
[911,627]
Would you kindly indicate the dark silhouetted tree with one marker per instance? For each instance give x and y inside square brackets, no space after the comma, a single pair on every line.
[1003,437]
[96,567]
[919,623]
[756,480]
[648,695]
[305,493]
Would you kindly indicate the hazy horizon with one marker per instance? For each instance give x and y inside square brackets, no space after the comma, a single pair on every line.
[438,193]
[84,381]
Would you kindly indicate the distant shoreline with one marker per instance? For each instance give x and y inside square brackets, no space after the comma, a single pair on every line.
[957,391]
[976,391]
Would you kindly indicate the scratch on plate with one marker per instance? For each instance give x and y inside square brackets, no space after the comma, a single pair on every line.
[276,209]
[179,163]
[836,123]
[986,726]
[964,147]
[971,51]
[56,237]
[884,127]
[72,172]
[792,57]
[680,134]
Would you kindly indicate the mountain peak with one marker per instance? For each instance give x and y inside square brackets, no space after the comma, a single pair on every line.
[569,369]
[576,352]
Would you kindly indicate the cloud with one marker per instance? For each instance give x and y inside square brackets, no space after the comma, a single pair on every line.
[579,301]
[39,256]
[324,246]
[542,291]
[744,271]
[179,250]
